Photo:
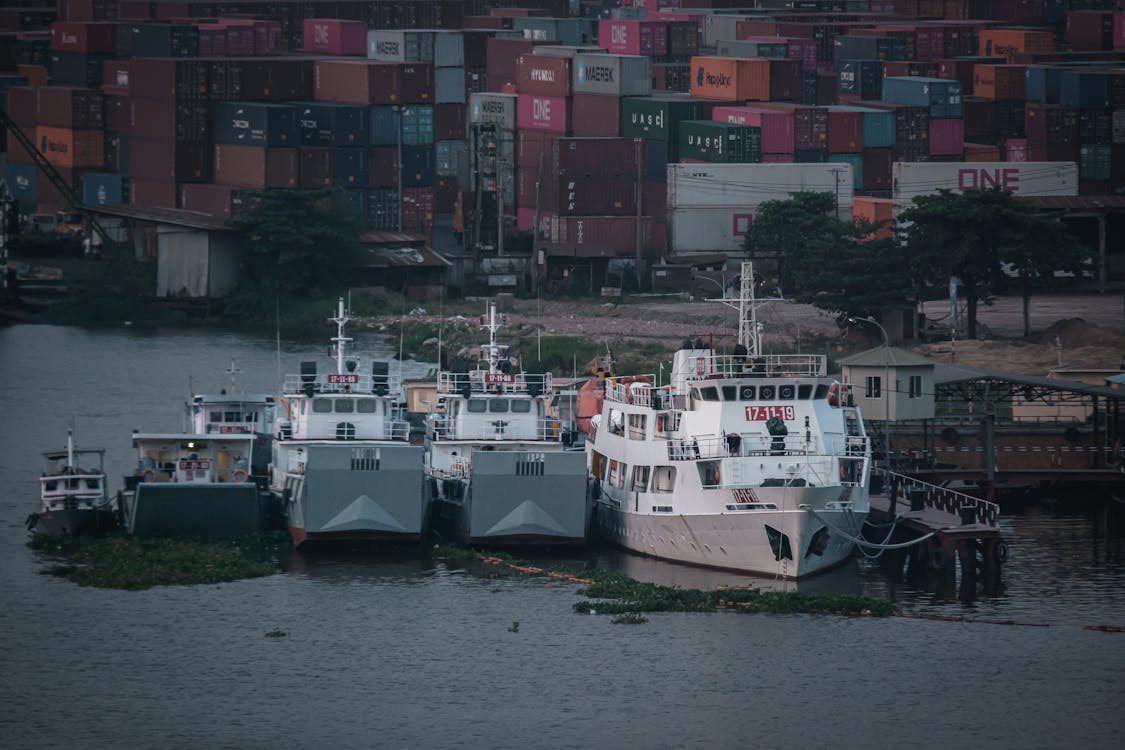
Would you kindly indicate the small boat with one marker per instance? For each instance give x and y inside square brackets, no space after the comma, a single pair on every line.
[746,461]
[343,467]
[72,492]
[498,460]
[209,480]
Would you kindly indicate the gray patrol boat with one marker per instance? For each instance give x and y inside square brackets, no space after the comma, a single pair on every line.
[499,466]
[342,465]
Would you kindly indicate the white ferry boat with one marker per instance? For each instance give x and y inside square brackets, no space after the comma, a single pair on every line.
[342,465]
[749,461]
[499,468]
[72,493]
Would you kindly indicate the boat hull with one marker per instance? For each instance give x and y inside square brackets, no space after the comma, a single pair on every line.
[73,522]
[333,502]
[502,504]
[786,543]
[205,511]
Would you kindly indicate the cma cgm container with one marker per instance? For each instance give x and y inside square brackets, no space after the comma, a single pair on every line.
[941,96]
[737,79]
[720,142]
[256,124]
[550,113]
[334,36]
[710,206]
[633,37]
[612,75]
[1024,178]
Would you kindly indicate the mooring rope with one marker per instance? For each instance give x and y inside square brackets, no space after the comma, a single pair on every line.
[873,545]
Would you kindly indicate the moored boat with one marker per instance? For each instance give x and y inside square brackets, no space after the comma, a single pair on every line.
[498,460]
[342,465]
[746,461]
[72,493]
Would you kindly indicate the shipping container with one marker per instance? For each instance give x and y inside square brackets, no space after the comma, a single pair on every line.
[591,196]
[853,47]
[348,166]
[104,188]
[450,122]
[219,201]
[1095,127]
[1009,42]
[562,30]
[862,77]
[612,75]
[984,152]
[751,79]
[797,48]
[845,130]
[1095,162]
[334,36]
[164,40]
[543,75]
[382,166]
[367,82]
[256,167]
[877,168]
[1092,89]
[594,156]
[66,147]
[658,117]
[83,38]
[855,161]
[385,127]
[158,118]
[594,115]
[70,107]
[875,212]
[325,124]
[167,160]
[314,167]
[753,48]
[417,123]
[78,68]
[602,236]
[492,108]
[999,81]
[169,78]
[256,124]
[23,182]
[274,79]
[400,45]
[947,137]
[1023,179]
[776,125]
[943,97]
[633,37]
[417,166]
[980,119]
[543,113]
[878,126]
[449,157]
[1011,118]
[720,142]
[153,193]
[449,86]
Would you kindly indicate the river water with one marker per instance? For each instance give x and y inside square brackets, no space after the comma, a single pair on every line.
[393,650]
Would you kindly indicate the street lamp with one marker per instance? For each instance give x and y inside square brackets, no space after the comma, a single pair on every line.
[885,388]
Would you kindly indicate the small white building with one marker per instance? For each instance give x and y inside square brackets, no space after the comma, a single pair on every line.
[890,384]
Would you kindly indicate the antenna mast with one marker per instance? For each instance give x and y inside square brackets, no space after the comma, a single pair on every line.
[340,340]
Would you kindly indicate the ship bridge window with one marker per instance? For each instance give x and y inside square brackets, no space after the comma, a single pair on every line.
[617,472]
[232,416]
[345,431]
[365,406]
[786,392]
[477,406]
[216,416]
[730,393]
[521,406]
[345,406]
[766,393]
[747,392]
[498,405]
[804,391]
[710,393]
[821,391]
[663,478]
[322,406]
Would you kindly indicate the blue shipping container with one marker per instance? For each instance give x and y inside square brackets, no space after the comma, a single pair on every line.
[164,40]
[256,124]
[856,160]
[23,183]
[878,126]
[942,96]
[102,188]
[1086,89]
[349,167]
[449,85]
[75,67]
[327,124]
[417,166]
[418,125]
[384,125]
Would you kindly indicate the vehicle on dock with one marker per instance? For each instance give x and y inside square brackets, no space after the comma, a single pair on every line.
[73,498]
[499,462]
[747,461]
[343,467]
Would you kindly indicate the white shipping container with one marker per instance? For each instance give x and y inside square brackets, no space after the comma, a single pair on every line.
[720,26]
[611,75]
[910,179]
[497,109]
[717,185]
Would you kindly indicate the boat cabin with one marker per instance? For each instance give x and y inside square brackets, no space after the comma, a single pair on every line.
[197,459]
[347,405]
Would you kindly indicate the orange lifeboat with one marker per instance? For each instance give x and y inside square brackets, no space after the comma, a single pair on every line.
[590,398]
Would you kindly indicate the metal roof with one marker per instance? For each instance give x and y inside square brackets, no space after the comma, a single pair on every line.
[947,374]
[173,216]
[404,257]
[883,356]
[391,238]
[1078,202]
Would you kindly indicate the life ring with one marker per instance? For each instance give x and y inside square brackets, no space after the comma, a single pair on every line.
[1000,552]
[834,396]
[148,475]
[239,475]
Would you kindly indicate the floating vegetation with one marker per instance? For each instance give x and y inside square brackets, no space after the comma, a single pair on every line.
[122,561]
[275,633]
[619,595]
[630,618]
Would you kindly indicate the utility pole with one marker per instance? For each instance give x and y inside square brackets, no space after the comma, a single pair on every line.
[639,193]
[499,206]
[479,190]
[836,173]
[535,227]
[399,112]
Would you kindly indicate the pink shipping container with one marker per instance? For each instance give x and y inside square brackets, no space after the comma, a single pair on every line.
[240,37]
[947,137]
[777,158]
[603,236]
[593,156]
[334,36]
[543,75]
[845,132]
[256,166]
[83,37]
[594,115]
[152,193]
[550,113]
[777,127]
[633,37]
[212,40]
[1015,149]
[525,218]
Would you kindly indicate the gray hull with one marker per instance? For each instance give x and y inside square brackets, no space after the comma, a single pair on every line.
[206,511]
[507,504]
[72,522]
[336,502]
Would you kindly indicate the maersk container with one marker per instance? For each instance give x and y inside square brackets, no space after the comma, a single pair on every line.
[856,163]
[720,142]
[1032,178]
[417,125]
[612,75]
[104,188]
[746,48]
[449,85]
[495,109]
[256,124]
[563,30]
[326,124]
[878,126]
[943,97]
[658,117]
[384,120]
[393,45]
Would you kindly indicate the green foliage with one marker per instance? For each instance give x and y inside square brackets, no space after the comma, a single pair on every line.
[115,288]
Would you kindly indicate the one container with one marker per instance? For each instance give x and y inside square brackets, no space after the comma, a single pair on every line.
[633,37]
[612,75]
[334,36]
[1031,178]
[256,124]
[548,113]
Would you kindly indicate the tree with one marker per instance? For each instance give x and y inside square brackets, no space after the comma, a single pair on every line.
[825,261]
[299,241]
[973,234]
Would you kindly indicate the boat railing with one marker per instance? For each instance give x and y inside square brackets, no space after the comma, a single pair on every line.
[767,365]
[941,499]
[460,470]
[637,390]
[334,383]
[548,428]
[494,383]
[742,445]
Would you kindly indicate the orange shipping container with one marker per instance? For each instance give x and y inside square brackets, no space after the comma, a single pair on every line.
[981,152]
[874,210]
[1008,42]
[36,75]
[999,81]
[730,78]
[64,147]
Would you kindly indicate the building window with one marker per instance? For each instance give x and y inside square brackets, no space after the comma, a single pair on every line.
[873,386]
[915,386]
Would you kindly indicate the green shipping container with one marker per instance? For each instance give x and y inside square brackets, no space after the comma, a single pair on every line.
[878,126]
[657,118]
[720,142]
[1095,162]
[418,125]
[856,160]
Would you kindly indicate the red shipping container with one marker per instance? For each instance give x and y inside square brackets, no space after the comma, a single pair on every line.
[115,76]
[450,122]
[550,113]
[603,236]
[314,168]
[877,167]
[256,167]
[632,37]
[417,83]
[595,196]
[382,166]
[206,198]
[36,75]
[977,152]
[845,132]
[358,81]
[543,75]
[999,81]
[980,116]
[1015,149]
[168,160]
[947,137]
[502,54]
[594,115]
[486,23]
[571,157]
[777,126]
[153,193]
[417,209]
[71,148]
[445,194]
[85,38]
[1119,31]
[1089,30]
[530,144]
[23,105]
[958,70]
[169,77]
[71,107]
[334,36]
